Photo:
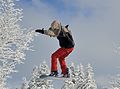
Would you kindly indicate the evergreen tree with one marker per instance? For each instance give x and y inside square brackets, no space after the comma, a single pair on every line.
[77,73]
[115,82]
[89,82]
[72,70]
[14,40]
[36,81]
[79,80]
[25,84]
[68,84]
[80,77]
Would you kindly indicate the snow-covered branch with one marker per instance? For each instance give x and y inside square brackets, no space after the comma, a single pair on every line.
[14,41]
[114,82]
[36,81]
[80,78]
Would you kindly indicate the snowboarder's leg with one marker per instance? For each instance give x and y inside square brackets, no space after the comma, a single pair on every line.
[54,62]
[65,70]
[63,65]
[64,54]
[56,55]
[60,54]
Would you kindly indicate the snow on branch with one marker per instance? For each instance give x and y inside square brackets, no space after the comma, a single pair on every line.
[80,78]
[114,82]
[14,41]
[36,81]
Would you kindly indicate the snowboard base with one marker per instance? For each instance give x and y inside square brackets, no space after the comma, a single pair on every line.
[53,77]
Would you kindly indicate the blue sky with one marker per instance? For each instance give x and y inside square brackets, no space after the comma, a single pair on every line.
[58,5]
[59,8]
[95,28]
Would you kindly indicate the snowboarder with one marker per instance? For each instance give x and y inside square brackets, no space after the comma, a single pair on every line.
[66,42]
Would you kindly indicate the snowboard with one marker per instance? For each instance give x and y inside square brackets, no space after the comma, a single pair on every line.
[53,77]
[56,78]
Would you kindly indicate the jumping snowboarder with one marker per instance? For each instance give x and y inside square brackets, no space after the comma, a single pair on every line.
[66,42]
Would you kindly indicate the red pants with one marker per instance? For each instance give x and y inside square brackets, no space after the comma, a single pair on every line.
[60,54]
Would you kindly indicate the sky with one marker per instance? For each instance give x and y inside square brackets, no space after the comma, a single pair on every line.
[95,25]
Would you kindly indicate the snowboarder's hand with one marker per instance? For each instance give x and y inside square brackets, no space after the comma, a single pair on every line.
[67,26]
[40,31]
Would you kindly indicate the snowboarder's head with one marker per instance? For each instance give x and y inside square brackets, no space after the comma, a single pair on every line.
[56,27]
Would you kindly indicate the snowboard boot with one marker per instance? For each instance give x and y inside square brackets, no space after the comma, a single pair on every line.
[67,75]
[54,73]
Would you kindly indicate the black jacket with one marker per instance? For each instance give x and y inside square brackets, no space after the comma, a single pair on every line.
[65,39]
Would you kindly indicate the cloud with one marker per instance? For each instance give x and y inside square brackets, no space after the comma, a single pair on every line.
[73,11]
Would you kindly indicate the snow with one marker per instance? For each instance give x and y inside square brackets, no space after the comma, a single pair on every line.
[14,41]
[77,80]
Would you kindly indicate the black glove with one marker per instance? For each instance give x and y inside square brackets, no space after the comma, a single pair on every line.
[40,31]
[66,26]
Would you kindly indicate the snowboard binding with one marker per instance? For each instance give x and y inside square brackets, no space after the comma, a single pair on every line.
[54,73]
[67,75]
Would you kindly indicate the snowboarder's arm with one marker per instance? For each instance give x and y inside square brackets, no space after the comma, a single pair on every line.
[52,32]
[40,31]
[48,32]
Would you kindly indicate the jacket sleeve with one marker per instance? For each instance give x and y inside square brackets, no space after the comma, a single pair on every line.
[49,33]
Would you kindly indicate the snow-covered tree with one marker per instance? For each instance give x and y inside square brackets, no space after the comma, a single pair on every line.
[89,82]
[115,82]
[77,73]
[72,70]
[68,84]
[14,40]
[79,80]
[80,77]
[37,81]
[25,84]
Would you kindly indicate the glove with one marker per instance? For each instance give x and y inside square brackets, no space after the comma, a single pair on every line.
[66,26]
[40,31]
